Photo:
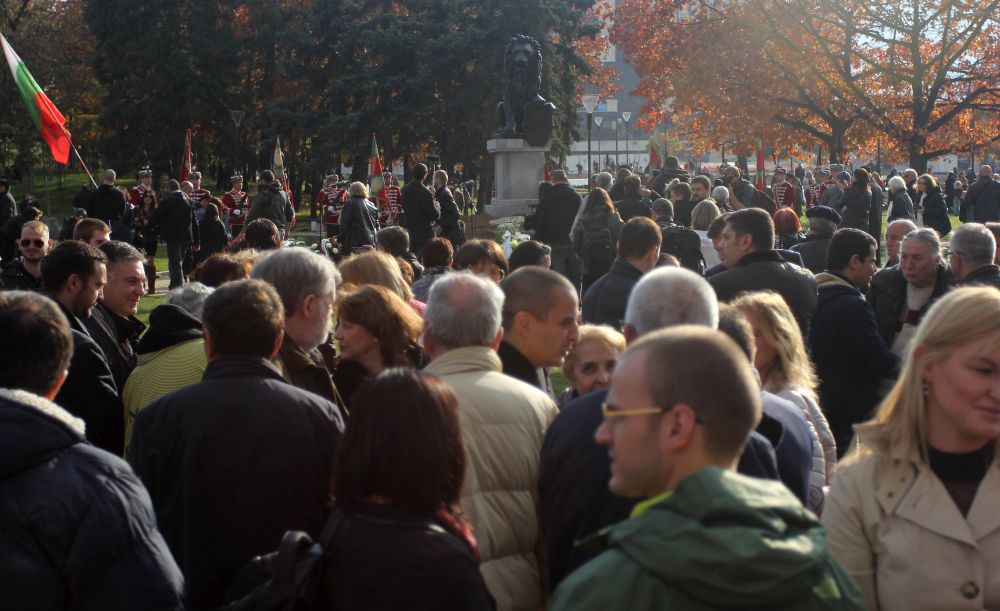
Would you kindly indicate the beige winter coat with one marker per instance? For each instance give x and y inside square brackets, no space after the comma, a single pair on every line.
[503,422]
[905,541]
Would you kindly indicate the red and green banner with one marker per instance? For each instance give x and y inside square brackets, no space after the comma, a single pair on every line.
[47,118]
[376,181]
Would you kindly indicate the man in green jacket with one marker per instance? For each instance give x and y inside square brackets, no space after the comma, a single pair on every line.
[706,538]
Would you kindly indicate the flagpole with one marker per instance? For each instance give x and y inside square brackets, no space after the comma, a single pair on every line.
[79,158]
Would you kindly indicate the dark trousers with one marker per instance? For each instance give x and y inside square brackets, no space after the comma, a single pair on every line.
[565,262]
[177,251]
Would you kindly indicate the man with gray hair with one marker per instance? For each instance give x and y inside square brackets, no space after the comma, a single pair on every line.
[982,201]
[972,250]
[575,500]
[902,294]
[503,421]
[307,284]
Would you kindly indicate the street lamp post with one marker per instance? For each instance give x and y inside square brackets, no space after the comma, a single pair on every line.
[618,123]
[597,121]
[589,101]
[626,116]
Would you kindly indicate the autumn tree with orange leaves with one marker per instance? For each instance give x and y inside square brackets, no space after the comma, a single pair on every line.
[921,73]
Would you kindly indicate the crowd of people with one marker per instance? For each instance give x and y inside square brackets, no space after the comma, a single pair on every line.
[755,417]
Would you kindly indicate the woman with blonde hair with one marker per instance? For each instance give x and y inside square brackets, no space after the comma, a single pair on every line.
[913,510]
[376,330]
[589,365]
[785,370]
[379,269]
[358,220]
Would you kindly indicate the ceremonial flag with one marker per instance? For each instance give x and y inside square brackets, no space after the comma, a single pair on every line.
[375,178]
[186,158]
[47,118]
[654,154]
[278,168]
[278,162]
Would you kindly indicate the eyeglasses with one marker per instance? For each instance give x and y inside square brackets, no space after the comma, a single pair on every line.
[38,243]
[611,412]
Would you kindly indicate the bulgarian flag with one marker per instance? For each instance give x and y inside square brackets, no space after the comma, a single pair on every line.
[48,120]
[375,177]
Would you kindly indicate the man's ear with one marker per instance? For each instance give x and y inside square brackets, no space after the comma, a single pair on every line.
[523,322]
[60,379]
[630,333]
[73,283]
[308,306]
[497,339]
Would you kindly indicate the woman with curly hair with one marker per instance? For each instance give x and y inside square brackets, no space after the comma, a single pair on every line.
[376,330]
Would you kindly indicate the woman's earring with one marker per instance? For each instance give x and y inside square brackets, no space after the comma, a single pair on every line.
[926,390]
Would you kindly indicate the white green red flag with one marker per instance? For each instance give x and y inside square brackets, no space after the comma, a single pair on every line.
[375,178]
[47,118]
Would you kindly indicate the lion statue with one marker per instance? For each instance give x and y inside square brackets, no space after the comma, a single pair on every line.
[522,78]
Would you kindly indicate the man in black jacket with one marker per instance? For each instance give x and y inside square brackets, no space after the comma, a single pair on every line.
[973,248]
[112,323]
[175,220]
[554,223]
[74,275]
[272,203]
[671,169]
[233,462]
[632,203]
[107,202]
[902,294]
[420,210]
[823,222]
[638,252]
[850,355]
[981,202]
[746,248]
[539,324]
[78,528]
[452,226]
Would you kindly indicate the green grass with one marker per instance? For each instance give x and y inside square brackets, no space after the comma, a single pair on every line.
[147,304]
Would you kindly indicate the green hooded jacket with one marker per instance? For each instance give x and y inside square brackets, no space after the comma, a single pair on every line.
[720,541]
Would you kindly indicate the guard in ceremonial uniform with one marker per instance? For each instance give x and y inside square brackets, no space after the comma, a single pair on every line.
[331,201]
[145,186]
[237,205]
[785,193]
[390,208]
[816,190]
[195,179]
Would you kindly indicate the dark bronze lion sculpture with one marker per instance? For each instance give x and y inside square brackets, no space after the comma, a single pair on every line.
[522,78]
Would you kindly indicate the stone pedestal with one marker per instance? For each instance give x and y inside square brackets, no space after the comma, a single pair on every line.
[518,167]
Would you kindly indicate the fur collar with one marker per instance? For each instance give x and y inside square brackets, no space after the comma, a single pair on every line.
[44,406]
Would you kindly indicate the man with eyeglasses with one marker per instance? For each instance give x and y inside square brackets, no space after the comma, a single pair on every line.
[25,272]
[574,469]
[705,537]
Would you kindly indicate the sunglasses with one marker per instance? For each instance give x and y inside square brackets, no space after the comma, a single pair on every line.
[38,243]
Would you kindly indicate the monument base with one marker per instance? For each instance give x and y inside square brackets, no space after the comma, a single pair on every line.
[518,167]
